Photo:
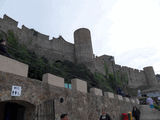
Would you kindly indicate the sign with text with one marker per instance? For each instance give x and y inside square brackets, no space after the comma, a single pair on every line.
[16,90]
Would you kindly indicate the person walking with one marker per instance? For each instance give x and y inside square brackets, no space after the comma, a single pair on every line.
[136,113]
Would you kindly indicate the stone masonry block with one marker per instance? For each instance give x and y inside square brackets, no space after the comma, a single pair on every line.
[119,97]
[132,100]
[126,99]
[12,66]
[53,80]
[96,91]
[109,94]
[79,85]
[137,101]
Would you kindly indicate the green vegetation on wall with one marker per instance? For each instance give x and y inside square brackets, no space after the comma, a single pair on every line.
[66,69]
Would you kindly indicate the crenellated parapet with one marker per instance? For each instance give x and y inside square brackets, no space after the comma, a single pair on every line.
[50,94]
[135,77]
[54,49]
[10,21]
[104,61]
[81,86]
[34,33]
[77,84]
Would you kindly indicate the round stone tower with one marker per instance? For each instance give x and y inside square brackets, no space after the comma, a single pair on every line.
[150,76]
[83,46]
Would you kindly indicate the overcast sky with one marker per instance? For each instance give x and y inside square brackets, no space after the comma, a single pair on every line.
[129,30]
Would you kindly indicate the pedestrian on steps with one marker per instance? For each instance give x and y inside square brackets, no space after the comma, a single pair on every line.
[136,113]
[150,102]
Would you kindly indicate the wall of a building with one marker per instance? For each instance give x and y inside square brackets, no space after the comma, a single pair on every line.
[45,97]
[104,61]
[150,76]
[54,49]
[135,77]
[78,105]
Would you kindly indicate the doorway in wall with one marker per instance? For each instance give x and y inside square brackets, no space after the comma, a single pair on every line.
[18,110]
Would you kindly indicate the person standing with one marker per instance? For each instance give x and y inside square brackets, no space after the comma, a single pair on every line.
[3,50]
[139,93]
[136,113]
[158,100]
[105,116]
[64,117]
[150,102]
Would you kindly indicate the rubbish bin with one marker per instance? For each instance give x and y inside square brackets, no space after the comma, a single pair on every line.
[125,116]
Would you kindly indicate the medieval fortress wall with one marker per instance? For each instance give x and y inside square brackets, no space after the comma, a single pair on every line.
[48,98]
[79,52]
[54,49]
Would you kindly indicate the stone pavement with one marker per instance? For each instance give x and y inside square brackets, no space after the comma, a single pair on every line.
[149,114]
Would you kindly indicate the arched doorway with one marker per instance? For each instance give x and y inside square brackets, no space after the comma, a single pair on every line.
[16,110]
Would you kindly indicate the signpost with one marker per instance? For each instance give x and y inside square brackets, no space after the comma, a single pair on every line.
[16,90]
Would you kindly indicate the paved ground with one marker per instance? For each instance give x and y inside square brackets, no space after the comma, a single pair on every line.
[149,114]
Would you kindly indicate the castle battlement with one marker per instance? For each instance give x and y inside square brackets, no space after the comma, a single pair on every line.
[54,49]
[34,33]
[49,97]
[78,85]
[10,21]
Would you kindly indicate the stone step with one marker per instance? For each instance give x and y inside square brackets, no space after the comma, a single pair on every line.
[149,119]
[149,114]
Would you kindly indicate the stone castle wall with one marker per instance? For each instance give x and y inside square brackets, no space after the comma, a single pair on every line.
[135,77]
[80,52]
[48,99]
[54,49]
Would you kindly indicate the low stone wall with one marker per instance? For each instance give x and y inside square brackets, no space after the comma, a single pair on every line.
[51,99]
[76,102]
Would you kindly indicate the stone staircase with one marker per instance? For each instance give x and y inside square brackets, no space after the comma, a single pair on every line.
[149,114]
